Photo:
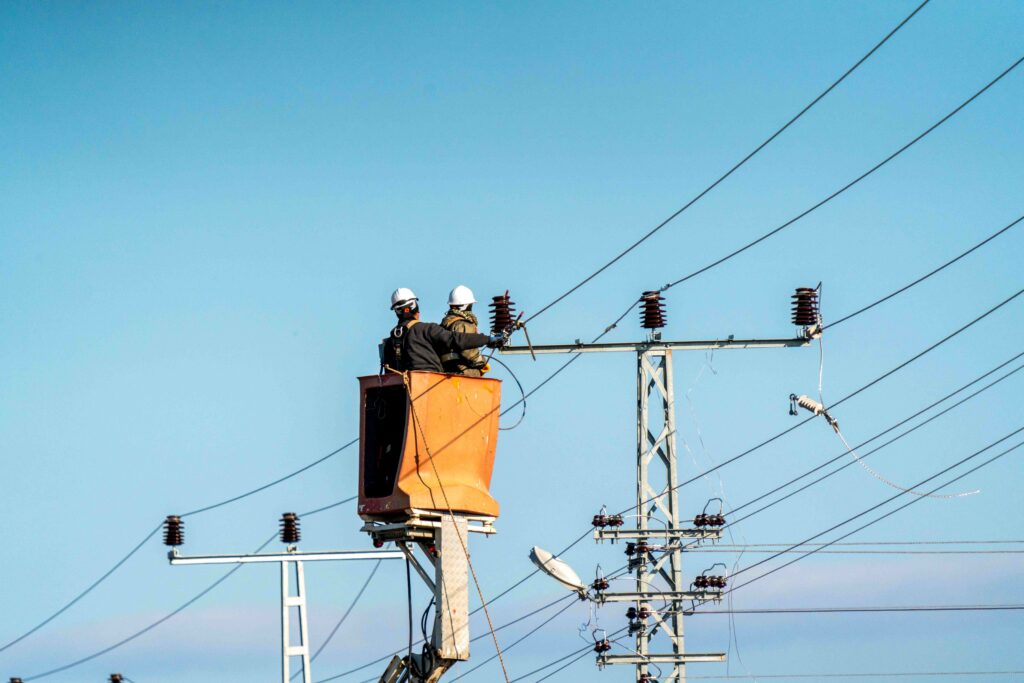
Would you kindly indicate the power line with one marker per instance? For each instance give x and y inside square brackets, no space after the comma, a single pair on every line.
[884,502]
[843,610]
[849,185]
[844,453]
[344,616]
[732,170]
[85,592]
[846,398]
[751,450]
[897,674]
[925,276]
[716,549]
[188,603]
[473,639]
[521,639]
[896,426]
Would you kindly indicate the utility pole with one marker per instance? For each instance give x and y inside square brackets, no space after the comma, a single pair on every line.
[659,523]
[291,561]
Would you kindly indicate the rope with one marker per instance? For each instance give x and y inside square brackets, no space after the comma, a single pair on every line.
[451,513]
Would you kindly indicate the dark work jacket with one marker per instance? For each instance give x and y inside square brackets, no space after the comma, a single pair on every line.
[420,346]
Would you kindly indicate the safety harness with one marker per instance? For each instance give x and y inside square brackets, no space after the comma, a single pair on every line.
[398,341]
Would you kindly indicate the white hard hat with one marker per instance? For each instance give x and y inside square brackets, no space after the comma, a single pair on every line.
[402,296]
[460,296]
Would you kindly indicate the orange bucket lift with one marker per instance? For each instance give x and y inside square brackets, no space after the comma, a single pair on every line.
[429,454]
[426,452]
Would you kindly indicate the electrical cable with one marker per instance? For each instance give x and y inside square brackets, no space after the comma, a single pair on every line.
[344,616]
[522,394]
[734,168]
[85,592]
[884,502]
[896,426]
[472,640]
[945,339]
[176,611]
[521,639]
[843,610]
[829,198]
[264,487]
[224,577]
[846,398]
[896,674]
[923,277]
[842,455]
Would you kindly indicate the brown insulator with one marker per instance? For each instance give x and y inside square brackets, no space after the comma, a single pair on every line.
[642,548]
[290,532]
[630,548]
[600,584]
[602,646]
[652,310]
[615,520]
[647,678]
[116,678]
[15,679]
[503,311]
[700,520]
[805,307]
[700,581]
[631,613]
[600,521]
[174,531]
[716,520]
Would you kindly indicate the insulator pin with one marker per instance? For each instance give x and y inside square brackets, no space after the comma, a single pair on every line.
[704,520]
[290,532]
[634,613]
[174,531]
[503,311]
[602,520]
[638,548]
[703,581]
[805,307]
[652,310]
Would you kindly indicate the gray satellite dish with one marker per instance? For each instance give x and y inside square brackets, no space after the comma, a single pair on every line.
[558,570]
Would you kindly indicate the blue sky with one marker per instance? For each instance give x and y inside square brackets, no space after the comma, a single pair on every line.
[204,207]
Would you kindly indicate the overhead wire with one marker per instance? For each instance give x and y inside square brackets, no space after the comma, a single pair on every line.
[888,674]
[846,398]
[333,453]
[85,592]
[734,168]
[884,502]
[181,608]
[885,375]
[924,277]
[837,193]
[898,425]
[848,464]
[863,609]
[664,288]
[344,616]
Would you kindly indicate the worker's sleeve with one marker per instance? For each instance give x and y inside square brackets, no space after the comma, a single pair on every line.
[471,357]
[442,339]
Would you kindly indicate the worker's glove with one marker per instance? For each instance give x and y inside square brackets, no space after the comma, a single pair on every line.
[497,341]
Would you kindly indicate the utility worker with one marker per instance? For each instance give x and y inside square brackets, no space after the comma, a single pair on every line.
[416,345]
[460,318]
